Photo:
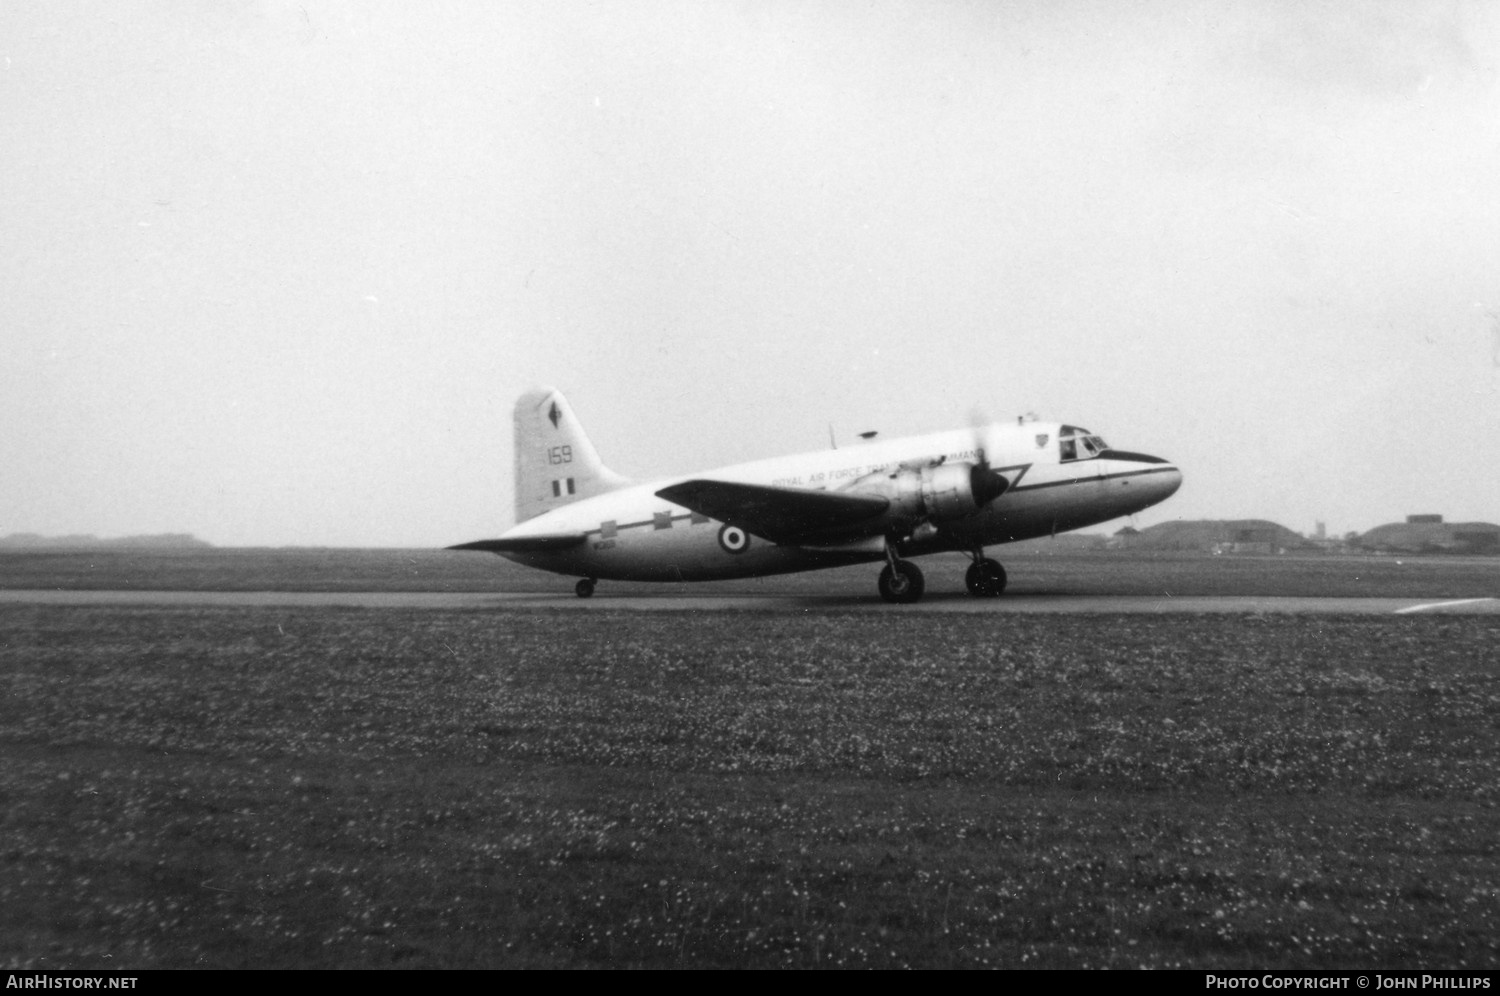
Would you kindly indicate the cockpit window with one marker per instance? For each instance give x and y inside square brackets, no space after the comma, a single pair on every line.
[1071,437]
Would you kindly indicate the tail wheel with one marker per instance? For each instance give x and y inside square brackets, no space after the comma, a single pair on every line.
[901,582]
[985,578]
[584,588]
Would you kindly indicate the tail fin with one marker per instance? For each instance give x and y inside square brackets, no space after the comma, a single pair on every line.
[555,462]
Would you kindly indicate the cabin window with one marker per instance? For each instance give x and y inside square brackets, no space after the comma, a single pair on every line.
[607,530]
[661,520]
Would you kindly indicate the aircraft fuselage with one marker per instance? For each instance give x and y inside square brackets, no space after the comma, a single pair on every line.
[634,534]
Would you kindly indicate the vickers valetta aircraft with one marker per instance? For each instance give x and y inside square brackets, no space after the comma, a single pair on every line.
[879,500]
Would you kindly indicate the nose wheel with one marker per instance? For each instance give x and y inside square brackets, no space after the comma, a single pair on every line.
[985,578]
[584,588]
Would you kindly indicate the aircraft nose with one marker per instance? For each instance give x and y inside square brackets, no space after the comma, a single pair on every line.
[1169,480]
[1164,476]
[1162,479]
[1159,478]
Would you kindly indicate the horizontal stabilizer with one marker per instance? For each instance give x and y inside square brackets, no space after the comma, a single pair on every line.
[781,515]
[524,544]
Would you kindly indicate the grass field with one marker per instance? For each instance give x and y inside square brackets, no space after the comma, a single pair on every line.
[360,788]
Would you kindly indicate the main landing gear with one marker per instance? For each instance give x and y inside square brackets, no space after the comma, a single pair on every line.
[985,577]
[901,581]
[584,588]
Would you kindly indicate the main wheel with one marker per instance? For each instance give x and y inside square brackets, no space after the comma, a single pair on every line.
[584,588]
[985,578]
[904,585]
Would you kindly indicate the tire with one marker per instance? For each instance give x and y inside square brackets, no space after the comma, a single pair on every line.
[985,579]
[584,588]
[905,588]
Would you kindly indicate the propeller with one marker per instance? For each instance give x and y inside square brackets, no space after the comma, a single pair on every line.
[986,484]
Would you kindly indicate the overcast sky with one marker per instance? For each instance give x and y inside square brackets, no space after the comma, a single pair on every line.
[274,273]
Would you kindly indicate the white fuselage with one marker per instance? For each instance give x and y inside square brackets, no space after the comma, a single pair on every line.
[632,534]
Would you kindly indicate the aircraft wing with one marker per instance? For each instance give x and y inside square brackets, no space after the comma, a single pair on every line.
[781,515]
[524,544]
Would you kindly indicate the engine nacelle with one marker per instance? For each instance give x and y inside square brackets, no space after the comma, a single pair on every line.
[952,490]
[947,491]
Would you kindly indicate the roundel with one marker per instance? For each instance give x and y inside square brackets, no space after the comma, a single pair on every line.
[734,539]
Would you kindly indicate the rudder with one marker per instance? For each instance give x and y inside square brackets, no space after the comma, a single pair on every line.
[555,462]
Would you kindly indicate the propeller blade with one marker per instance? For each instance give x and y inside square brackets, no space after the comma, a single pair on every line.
[986,484]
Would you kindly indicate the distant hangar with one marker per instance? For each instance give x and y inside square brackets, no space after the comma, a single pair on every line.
[1430,534]
[1418,534]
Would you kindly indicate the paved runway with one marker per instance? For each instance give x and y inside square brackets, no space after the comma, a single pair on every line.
[670,602]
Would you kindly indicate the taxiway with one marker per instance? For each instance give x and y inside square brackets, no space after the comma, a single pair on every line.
[672,602]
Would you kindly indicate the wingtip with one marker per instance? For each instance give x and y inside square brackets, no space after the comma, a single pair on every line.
[472,545]
[524,544]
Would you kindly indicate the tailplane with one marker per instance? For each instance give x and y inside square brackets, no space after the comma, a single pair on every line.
[555,462]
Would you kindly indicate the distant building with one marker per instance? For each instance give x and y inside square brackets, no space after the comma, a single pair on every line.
[1477,541]
[1429,534]
[1252,536]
